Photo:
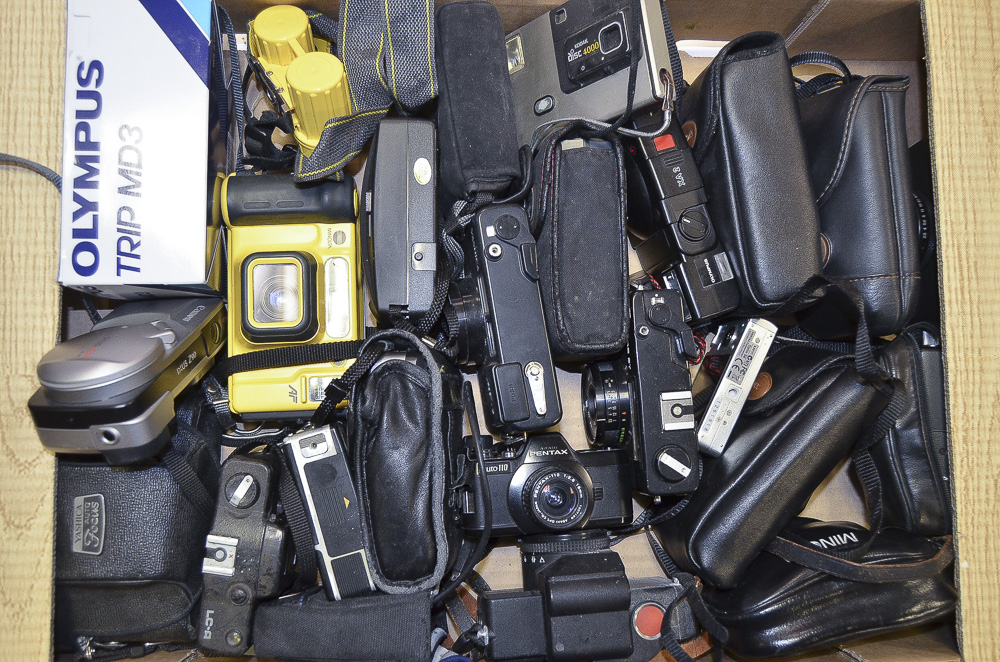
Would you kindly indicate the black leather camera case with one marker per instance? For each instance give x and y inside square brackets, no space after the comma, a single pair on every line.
[578,215]
[855,136]
[131,539]
[783,445]
[748,145]
[783,608]
[406,431]
[912,460]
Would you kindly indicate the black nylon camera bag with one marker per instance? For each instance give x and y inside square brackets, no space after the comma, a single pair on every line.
[129,540]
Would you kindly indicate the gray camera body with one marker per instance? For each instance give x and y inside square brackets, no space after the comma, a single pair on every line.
[112,390]
[573,62]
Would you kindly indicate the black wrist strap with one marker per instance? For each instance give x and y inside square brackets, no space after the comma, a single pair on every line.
[298,524]
[290,355]
[809,557]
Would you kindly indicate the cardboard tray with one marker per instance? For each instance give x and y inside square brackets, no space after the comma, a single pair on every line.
[955,37]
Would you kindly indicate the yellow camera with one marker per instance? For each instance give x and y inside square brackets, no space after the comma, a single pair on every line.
[294,278]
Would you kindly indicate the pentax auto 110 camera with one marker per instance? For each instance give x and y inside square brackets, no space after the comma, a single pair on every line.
[546,486]
[574,60]
[643,401]
[501,326]
[113,390]
[294,278]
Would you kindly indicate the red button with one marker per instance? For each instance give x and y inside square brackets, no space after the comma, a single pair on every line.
[648,620]
[664,142]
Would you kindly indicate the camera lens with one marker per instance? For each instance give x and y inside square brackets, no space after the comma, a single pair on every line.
[607,403]
[276,295]
[556,499]
[471,316]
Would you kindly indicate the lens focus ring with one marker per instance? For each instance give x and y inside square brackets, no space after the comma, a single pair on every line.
[607,406]
[556,499]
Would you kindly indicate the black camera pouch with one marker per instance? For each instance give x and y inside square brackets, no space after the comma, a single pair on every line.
[749,148]
[578,216]
[855,137]
[130,539]
[912,460]
[816,597]
[376,628]
[475,112]
[783,445]
[406,418]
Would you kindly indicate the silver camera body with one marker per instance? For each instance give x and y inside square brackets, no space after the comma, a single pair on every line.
[573,62]
[112,390]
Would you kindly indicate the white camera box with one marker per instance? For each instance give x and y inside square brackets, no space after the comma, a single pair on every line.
[137,168]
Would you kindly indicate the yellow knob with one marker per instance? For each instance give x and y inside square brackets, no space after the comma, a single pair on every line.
[317,88]
[280,34]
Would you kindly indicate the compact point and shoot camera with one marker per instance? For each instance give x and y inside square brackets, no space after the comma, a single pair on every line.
[669,224]
[112,390]
[573,62]
[247,554]
[501,323]
[643,402]
[294,278]
[578,604]
[546,486]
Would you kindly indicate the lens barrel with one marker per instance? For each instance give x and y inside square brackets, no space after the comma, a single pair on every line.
[607,403]
[556,498]
[470,312]
[542,550]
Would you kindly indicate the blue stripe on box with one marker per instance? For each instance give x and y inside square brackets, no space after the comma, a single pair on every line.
[186,36]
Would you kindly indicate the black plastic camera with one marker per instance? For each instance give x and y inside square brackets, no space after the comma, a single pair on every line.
[669,224]
[501,324]
[578,604]
[643,401]
[545,486]
[247,555]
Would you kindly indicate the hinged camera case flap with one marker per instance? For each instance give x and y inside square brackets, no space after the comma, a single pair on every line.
[475,112]
[780,608]
[406,431]
[748,145]
[130,540]
[912,460]
[578,215]
[855,137]
[375,628]
[783,445]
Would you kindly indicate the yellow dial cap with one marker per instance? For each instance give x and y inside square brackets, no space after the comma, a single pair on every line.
[280,34]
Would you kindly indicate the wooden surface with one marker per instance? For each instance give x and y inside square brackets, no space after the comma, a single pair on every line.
[964,49]
[31,82]
[964,55]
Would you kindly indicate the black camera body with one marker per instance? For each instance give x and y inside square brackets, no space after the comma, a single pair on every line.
[398,229]
[580,606]
[669,224]
[501,323]
[644,402]
[246,554]
[545,486]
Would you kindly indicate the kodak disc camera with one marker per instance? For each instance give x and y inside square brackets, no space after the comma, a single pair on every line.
[247,553]
[669,225]
[294,278]
[573,62]
[399,220]
[112,390]
[545,486]
[559,617]
[501,323]
[643,402]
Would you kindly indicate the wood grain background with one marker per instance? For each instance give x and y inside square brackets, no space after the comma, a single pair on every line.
[963,44]
[963,49]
